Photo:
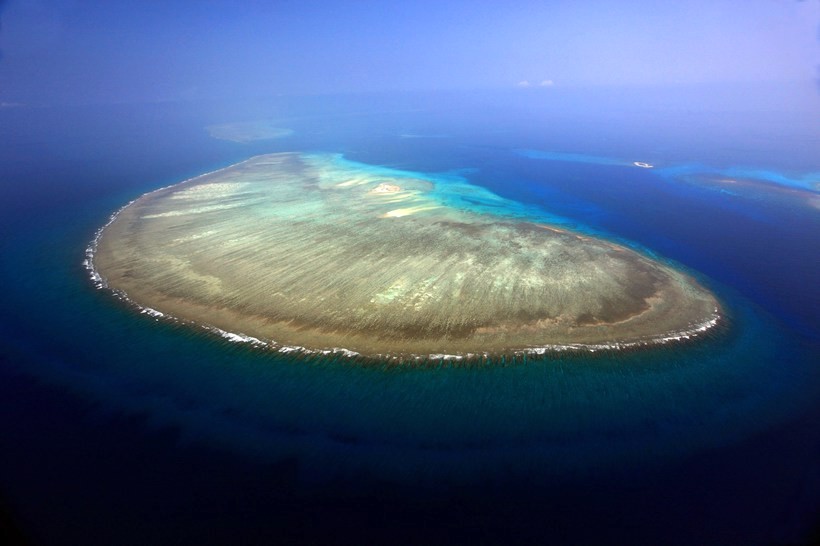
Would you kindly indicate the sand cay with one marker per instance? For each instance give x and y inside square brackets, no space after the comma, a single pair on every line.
[320,253]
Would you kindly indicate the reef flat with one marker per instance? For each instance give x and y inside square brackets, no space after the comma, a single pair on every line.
[318,253]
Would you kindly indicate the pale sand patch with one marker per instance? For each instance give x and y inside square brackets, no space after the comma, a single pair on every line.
[386,188]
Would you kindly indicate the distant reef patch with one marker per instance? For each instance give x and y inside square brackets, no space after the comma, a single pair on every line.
[248,131]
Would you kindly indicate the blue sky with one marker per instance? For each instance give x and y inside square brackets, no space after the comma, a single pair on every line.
[116,50]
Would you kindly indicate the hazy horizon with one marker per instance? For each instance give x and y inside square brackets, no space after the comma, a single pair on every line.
[66,51]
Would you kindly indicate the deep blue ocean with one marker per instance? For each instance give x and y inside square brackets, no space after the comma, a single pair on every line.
[116,428]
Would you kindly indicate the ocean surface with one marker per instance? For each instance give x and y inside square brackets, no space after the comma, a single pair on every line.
[120,428]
